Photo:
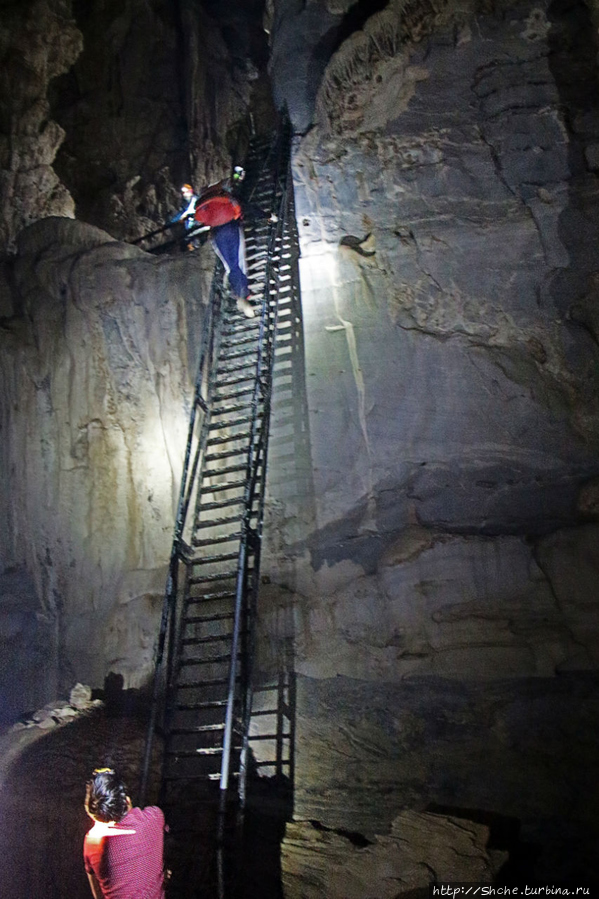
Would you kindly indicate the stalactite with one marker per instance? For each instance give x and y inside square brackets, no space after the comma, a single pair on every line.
[354,64]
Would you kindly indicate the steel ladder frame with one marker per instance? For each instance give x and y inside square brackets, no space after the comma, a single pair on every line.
[184,551]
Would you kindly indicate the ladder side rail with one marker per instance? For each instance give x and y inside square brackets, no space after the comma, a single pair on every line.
[261,448]
[228,732]
[253,461]
[188,479]
[286,708]
[174,631]
[167,609]
[203,388]
[240,607]
[174,647]
[205,380]
[240,580]
[245,527]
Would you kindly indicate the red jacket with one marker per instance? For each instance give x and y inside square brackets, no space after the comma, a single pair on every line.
[126,859]
[215,207]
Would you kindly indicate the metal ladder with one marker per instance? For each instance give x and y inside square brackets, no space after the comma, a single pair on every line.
[203,686]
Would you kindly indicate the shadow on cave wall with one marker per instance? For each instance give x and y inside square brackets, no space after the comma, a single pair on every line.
[355,19]
[573,290]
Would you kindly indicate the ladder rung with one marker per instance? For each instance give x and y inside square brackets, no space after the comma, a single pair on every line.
[239,334]
[209,578]
[235,394]
[240,341]
[226,454]
[225,538]
[208,619]
[198,729]
[222,504]
[228,469]
[202,641]
[216,660]
[219,425]
[241,380]
[198,776]
[207,560]
[193,753]
[234,407]
[211,597]
[200,706]
[233,369]
[220,441]
[238,354]
[227,485]
[217,522]
[218,682]
[241,326]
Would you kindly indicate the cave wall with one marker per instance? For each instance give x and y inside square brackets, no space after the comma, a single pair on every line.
[96,379]
[38,41]
[104,109]
[432,546]
[158,83]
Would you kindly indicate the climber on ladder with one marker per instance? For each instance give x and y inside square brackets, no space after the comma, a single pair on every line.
[219,208]
[186,212]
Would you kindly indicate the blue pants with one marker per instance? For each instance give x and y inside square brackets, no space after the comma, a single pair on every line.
[229,243]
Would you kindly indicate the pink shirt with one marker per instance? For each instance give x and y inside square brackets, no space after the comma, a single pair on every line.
[126,858]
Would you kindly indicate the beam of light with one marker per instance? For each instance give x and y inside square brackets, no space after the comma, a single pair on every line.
[319,270]
[103,829]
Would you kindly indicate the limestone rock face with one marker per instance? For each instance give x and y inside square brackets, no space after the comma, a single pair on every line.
[28,666]
[96,379]
[139,111]
[38,41]
[430,539]
[106,109]
[465,291]
[418,848]
[489,607]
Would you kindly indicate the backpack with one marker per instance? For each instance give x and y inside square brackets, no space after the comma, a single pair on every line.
[216,206]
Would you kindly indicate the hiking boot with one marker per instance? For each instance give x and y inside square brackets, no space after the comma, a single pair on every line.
[245,307]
